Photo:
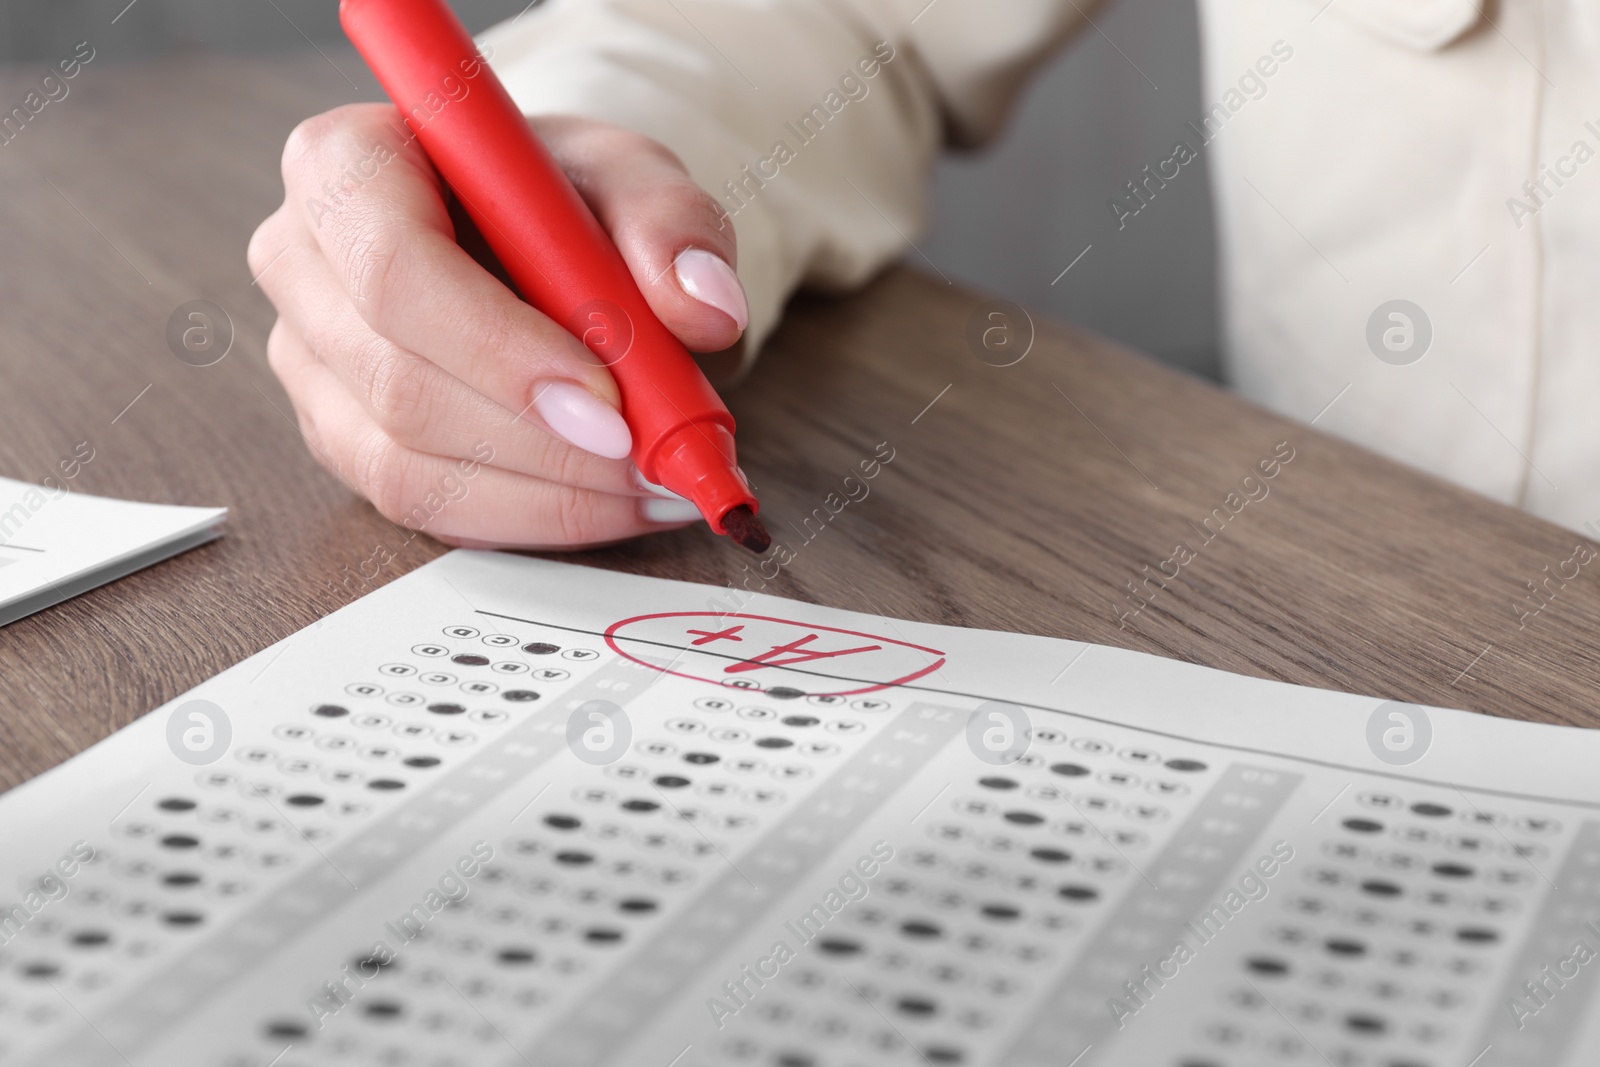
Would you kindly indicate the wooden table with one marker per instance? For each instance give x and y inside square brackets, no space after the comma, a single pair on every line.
[1019,498]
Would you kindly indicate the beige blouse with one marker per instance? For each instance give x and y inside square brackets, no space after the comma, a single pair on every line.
[1407,192]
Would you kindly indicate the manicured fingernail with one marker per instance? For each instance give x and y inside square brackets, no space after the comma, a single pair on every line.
[582,419]
[709,280]
[658,509]
[651,487]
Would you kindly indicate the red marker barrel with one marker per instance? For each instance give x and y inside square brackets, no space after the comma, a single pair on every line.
[550,243]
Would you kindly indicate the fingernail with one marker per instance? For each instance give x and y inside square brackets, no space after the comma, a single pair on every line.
[659,509]
[582,419]
[709,280]
[651,487]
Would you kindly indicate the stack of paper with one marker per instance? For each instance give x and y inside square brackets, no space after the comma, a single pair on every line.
[55,544]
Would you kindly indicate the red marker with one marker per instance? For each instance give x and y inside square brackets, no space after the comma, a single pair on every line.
[554,249]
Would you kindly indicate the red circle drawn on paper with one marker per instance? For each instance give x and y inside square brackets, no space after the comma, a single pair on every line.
[873,688]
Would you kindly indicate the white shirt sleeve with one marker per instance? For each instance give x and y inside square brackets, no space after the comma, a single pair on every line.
[813,122]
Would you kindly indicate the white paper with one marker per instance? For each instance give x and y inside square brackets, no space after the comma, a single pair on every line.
[55,544]
[632,912]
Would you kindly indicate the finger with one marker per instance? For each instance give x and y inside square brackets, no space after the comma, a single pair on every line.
[459,499]
[390,242]
[675,238]
[415,402]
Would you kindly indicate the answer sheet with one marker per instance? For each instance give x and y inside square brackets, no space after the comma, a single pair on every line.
[509,811]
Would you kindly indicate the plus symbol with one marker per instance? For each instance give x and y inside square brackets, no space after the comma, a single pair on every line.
[708,636]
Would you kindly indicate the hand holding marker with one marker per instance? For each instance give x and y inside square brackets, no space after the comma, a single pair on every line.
[557,254]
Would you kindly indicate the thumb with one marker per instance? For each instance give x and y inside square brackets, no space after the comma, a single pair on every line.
[676,240]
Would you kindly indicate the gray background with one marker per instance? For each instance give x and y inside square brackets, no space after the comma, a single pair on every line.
[1008,220]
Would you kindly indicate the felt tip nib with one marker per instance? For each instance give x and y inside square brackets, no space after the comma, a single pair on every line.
[741,524]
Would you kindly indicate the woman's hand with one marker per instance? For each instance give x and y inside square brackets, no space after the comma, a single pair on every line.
[409,364]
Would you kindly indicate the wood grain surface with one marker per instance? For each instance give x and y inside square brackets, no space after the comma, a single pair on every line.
[1020,498]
